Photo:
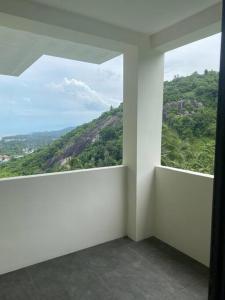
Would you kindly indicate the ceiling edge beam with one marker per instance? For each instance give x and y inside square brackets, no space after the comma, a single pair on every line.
[41,19]
[196,27]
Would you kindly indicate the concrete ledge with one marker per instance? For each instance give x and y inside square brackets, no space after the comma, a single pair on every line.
[45,216]
[183,209]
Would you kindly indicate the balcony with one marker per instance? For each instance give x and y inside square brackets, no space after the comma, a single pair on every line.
[48,216]
[121,269]
[136,231]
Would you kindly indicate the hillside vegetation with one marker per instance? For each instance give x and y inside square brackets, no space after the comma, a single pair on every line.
[189,122]
[19,145]
[188,134]
[95,144]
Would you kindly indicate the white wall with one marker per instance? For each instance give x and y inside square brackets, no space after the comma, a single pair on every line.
[183,209]
[42,217]
[149,130]
[143,99]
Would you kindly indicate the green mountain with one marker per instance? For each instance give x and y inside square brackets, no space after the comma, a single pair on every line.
[20,145]
[95,144]
[188,134]
[189,122]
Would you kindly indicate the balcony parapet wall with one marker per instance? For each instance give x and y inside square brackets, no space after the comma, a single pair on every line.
[183,209]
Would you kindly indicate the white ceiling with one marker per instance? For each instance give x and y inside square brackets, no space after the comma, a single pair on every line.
[147,16]
[20,49]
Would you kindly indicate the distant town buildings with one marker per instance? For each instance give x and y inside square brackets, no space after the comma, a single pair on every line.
[4,158]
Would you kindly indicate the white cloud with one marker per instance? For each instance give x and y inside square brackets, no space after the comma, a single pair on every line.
[59,87]
[83,94]
[197,56]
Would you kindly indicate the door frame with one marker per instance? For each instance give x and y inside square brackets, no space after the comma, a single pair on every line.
[217,260]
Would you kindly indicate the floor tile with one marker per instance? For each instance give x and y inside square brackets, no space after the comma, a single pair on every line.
[117,270]
[17,286]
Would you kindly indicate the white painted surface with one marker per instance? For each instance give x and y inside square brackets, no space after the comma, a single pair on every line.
[70,30]
[42,217]
[183,209]
[149,121]
[47,216]
[139,15]
[196,27]
[143,98]
[64,25]
[20,49]
[130,90]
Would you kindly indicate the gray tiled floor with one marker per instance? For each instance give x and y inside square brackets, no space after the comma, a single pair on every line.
[121,269]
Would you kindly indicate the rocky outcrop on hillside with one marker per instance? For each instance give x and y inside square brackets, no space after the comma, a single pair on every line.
[76,145]
[181,107]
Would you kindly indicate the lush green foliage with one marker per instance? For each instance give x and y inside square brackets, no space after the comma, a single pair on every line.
[21,144]
[188,135]
[95,144]
[189,122]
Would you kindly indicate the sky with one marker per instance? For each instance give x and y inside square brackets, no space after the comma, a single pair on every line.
[56,93]
[197,56]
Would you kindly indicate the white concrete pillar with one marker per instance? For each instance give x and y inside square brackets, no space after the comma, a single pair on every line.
[143,99]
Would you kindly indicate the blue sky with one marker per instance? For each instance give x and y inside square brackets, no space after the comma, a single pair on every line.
[56,93]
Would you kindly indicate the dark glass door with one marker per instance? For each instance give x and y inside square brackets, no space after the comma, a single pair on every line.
[217,264]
